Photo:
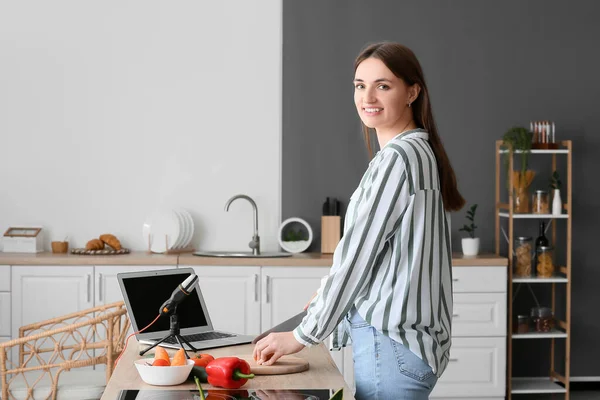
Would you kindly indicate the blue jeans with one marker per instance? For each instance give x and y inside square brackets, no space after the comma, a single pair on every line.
[385,369]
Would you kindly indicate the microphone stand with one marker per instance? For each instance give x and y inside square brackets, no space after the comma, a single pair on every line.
[173,333]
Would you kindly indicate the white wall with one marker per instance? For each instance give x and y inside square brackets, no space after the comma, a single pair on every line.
[111,109]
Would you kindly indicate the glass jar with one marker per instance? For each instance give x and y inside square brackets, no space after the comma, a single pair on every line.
[522,324]
[545,261]
[541,204]
[542,319]
[523,253]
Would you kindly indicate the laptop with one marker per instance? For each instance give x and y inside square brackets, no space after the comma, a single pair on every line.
[145,291]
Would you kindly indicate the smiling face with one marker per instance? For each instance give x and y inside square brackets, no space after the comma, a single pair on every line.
[382,99]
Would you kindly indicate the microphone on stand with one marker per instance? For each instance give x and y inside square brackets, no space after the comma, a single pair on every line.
[169,307]
[179,294]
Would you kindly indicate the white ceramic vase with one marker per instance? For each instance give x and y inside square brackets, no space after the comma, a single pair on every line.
[556,203]
[470,246]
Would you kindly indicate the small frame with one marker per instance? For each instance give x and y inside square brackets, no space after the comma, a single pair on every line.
[22,232]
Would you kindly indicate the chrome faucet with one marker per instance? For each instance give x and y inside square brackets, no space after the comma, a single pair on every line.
[255,242]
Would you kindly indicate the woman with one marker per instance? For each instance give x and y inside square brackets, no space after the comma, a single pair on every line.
[390,285]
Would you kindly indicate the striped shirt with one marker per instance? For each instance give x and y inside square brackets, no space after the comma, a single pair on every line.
[393,262]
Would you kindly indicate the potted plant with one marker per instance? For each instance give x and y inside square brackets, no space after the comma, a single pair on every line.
[519,138]
[470,245]
[555,185]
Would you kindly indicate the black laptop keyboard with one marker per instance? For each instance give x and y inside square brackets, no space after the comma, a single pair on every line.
[199,337]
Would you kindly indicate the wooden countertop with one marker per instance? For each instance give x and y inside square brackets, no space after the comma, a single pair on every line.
[187,259]
[322,373]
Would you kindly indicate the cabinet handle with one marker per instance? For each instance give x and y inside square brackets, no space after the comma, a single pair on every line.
[87,286]
[453,359]
[454,315]
[268,289]
[454,279]
[99,287]
[256,287]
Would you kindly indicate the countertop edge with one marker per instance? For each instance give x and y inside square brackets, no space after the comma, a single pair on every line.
[143,258]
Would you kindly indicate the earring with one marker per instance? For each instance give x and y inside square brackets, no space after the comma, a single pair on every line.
[409,104]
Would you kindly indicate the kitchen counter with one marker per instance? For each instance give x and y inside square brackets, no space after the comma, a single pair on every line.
[322,373]
[48,258]
[185,259]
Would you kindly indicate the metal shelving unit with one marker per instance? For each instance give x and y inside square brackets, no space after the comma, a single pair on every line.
[562,333]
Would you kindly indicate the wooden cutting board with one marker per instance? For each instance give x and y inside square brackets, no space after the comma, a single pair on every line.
[285,365]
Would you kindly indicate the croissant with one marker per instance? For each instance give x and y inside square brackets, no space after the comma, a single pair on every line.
[111,240]
[94,244]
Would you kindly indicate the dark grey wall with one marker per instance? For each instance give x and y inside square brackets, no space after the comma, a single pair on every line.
[489,66]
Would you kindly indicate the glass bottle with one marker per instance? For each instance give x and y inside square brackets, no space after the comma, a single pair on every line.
[541,241]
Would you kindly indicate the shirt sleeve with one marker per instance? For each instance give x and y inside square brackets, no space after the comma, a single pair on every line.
[380,208]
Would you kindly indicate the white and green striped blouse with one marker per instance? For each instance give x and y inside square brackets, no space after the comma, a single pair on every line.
[393,262]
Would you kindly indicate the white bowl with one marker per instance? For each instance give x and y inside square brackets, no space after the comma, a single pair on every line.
[163,376]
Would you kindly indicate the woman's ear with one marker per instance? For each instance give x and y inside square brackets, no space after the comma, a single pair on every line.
[413,92]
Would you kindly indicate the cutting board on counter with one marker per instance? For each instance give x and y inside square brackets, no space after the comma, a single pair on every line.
[285,365]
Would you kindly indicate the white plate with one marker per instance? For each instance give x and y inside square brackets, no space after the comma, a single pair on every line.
[189,226]
[182,229]
[161,227]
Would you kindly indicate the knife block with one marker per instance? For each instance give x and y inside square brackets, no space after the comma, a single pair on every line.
[330,233]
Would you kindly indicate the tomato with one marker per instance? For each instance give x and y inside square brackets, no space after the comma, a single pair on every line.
[161,362]
[202,360]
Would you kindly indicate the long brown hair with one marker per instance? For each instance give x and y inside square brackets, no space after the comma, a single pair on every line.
[404,64]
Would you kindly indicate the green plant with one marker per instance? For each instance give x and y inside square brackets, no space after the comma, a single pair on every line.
[518,138]
[470,228]
[294,236]
[555,182]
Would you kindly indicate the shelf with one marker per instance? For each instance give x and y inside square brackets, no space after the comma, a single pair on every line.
[535,385]
[540,151]
[505,214]
[535,279]
[554,333]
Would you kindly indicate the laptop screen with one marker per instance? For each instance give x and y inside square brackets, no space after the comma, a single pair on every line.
[146,295]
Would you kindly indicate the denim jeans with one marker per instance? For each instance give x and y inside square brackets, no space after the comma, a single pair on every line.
[384,369]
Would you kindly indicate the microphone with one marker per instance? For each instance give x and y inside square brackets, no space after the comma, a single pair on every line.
[179,294]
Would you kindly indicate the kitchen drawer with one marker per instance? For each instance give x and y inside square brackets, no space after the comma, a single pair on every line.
[476,369]
[4,314]
[479,314]
[478,279]
[4,278]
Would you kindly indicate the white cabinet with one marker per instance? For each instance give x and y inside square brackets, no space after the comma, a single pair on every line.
[44,292]
[4,303]
[286,291]
[232,296]
[4,278]
[5,314]
[477,367]
[106,284]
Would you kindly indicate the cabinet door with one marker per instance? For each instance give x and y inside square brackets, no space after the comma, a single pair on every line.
[43,292]
[286,290]
[479,314]
[232,296]
[107,288]
[4,314]
[476,369]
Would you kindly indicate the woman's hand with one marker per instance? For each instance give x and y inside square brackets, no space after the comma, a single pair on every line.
[272,347]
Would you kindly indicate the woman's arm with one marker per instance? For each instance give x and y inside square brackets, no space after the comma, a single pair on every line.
[380,207]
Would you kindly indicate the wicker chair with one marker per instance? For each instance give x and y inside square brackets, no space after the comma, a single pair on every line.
[47,349]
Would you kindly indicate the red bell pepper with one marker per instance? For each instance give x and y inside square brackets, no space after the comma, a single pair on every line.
[228,372]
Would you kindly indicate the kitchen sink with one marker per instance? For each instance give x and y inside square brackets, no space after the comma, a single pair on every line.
[240,254]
